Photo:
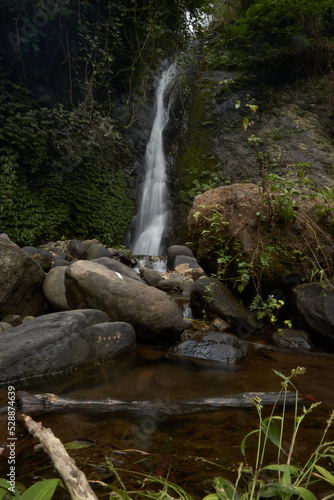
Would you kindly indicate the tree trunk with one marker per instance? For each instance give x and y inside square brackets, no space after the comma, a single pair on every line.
[50,403]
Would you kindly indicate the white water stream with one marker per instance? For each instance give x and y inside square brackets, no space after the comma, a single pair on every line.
[152,216]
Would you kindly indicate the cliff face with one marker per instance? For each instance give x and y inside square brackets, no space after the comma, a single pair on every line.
[292,129]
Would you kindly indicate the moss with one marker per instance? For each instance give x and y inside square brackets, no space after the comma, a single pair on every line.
[196,165]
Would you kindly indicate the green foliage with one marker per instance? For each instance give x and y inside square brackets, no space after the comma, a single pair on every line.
[266,309]
[42,490]
[277,34]
[228,253]
[60,172]
[288,480]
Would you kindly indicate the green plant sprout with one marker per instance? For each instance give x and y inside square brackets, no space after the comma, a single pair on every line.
[290,481]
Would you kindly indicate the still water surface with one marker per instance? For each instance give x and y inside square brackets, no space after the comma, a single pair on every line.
[191,449]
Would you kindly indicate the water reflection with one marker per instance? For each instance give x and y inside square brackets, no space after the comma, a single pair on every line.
[192,448]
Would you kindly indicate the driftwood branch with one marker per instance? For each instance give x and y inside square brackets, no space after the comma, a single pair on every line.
[50,403]
[74,479]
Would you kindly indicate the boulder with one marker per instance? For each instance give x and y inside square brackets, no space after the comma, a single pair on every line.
[4,326]
[217,300]
[236,205]
[312,308]
[97,250]
[13,319]
[77,249]
[175,250]
[170,284]
[21,279]
[212,346]
[60,263]
[293,339]
[153,314]
[54,289]
[30,250]
[45,258]
[232,221]
[118,267]
[62,341]
[151,276]
[178,255]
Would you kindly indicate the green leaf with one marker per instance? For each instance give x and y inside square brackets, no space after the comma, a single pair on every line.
[4,485]
[241,288]
[225,489]
[326,475]
[243,442]
[271,429]
[305,494]
[273,489]
[43,490]
[245,123]
[282,468]
[212,496]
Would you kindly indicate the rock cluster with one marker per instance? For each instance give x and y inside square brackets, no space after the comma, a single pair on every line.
[75,303]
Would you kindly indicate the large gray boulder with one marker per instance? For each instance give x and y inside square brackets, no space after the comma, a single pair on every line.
[58,342]
[313,308]
[213,346]
[152,313]
[216,299]
[21,279]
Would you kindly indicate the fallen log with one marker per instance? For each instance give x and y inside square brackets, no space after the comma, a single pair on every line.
[74,479]
[50,403]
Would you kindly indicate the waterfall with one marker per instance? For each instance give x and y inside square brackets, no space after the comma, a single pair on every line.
[152,216]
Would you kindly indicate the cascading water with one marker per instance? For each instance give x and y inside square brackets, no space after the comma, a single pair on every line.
[152,216]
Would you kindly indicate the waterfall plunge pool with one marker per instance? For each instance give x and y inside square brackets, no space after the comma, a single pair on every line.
[191,450]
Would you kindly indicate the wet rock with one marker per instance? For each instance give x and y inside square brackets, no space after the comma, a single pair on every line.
[313,308]
[62,341]
[293,339]
[211,346]
[54,289]
[153,314]
[211,295]
[118,267]
[21,279]
[219,325]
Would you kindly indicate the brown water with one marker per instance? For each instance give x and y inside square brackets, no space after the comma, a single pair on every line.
[191,449]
